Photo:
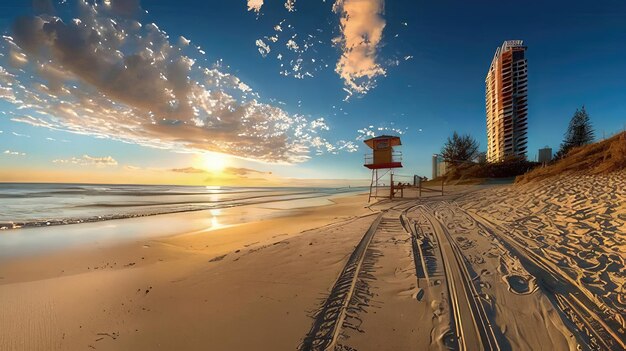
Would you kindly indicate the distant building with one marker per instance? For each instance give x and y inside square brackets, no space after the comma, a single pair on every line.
[482,157]
[507,102]
[545,155]
[440,167]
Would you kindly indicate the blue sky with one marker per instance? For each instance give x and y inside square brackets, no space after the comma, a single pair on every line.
[435,55]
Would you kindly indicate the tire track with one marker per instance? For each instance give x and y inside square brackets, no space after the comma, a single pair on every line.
[347,294]
[470,323]
[577,306]
[328,321]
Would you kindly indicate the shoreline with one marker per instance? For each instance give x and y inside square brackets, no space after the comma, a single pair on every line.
[33,240]
[193,232]
[125,296]
[216,205]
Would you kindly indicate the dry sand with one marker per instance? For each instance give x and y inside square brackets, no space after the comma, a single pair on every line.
[228,289]
[571,232]
[511,267]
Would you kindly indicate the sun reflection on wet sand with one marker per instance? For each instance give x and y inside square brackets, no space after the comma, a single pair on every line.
[215,223]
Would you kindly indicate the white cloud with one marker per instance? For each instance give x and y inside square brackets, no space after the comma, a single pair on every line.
[20,135]
[112,77]
[348,146]
[292,45]
[290,5]
[255,5]
[14,153]
[183,41]
[361,31]
[373,131]
[295,53]
[263,48]
[87,160]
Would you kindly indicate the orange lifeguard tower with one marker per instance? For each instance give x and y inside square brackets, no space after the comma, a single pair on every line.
[384,157]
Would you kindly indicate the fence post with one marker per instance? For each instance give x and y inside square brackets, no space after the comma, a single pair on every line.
[391,188]
[419,184]
[442,180]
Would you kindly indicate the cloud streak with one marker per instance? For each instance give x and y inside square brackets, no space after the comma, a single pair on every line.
[189,170]
[235,171]
[14,153]
[107,75]
[87,160]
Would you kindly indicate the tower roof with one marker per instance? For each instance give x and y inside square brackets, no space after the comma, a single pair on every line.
[506,46]
[393,140]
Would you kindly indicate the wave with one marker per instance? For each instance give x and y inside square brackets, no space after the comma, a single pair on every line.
[74,204]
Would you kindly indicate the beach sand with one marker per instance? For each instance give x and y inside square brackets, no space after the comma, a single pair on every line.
[245,286]
[537,266]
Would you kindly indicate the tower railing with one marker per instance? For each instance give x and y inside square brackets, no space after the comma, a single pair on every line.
[396,156]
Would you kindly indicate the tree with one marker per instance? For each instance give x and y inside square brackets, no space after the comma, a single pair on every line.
[579,133]
[459,149]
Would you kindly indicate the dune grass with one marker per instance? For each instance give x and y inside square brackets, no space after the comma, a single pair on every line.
[599,158]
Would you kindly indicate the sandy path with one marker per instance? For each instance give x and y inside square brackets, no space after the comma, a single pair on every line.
[388,307]
[472,325]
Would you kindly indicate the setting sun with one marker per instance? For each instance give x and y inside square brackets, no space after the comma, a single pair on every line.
[212,162]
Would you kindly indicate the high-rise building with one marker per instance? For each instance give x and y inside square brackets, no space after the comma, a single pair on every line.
[507,102]
[545,155]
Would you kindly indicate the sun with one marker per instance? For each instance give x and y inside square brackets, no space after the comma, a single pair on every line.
[212,161]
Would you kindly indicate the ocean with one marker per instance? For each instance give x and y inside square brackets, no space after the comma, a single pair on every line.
[24,205]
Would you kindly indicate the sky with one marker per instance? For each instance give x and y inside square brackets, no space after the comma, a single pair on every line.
[283,92]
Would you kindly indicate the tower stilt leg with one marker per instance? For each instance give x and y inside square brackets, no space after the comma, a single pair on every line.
[371,184]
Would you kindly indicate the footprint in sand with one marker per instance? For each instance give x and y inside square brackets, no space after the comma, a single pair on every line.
[448,339]
[420,295]
[437,308]
[218,258]
[517,284]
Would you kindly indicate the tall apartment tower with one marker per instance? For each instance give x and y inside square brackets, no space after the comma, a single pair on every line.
[507,102]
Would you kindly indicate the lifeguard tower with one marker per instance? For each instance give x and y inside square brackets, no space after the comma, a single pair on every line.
[383,157]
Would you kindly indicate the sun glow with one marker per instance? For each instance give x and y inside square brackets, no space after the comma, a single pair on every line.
[212,162]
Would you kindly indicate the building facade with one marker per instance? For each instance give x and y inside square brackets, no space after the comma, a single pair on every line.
[507,102]
[545,155]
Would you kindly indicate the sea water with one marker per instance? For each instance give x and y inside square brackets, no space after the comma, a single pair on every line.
[46,217]
[40,205]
